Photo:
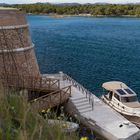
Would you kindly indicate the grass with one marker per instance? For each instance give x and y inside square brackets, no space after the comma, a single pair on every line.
[19,122]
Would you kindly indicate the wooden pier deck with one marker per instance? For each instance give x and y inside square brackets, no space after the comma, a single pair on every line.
[95,114]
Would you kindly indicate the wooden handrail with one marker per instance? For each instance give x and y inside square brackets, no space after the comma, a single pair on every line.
[50,94]
[28,81]
[7,75]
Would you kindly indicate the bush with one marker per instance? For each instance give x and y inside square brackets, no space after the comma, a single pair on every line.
[19,122]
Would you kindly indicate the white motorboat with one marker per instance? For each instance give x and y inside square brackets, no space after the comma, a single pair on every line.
[123,99]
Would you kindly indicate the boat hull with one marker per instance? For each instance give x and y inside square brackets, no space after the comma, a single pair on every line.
[134,119]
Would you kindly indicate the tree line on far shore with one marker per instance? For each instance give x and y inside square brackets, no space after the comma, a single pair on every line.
[92,9]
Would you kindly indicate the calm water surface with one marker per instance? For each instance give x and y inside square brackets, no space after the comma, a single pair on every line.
[91,50]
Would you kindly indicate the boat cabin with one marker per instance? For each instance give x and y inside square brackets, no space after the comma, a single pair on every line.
[120,92]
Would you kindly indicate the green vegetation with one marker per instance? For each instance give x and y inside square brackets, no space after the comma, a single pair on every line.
[108,9]
[19,122]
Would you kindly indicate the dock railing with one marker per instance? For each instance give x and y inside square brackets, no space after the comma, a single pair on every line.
[86,92]
[30,82]
[52,99]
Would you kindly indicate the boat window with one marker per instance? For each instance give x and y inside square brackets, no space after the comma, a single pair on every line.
[110,95]
[117,97]
[129,99]
[129,91]
[120,91]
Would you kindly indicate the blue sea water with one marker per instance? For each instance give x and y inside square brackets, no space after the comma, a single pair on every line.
[91,50]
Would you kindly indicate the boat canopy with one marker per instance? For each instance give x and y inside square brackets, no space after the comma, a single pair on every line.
[119,87]
[114,85]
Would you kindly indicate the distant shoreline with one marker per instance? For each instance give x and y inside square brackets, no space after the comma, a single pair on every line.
[82,15]
[87,10]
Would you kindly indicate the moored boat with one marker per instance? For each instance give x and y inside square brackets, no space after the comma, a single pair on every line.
[123,99]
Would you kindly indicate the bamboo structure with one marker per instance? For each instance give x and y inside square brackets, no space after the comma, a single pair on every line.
[18,65]
[16,48]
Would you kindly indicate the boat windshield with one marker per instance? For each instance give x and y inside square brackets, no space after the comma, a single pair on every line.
[129,91]
[129,99]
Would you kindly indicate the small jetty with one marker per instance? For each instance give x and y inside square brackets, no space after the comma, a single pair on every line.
[20,71]
[95,114]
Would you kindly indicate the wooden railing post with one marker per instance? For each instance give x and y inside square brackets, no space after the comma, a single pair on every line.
[49,83]
[60,97]
[40,82]
[50,100]
[58,84]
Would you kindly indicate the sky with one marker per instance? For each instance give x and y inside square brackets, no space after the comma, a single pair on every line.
[69,1]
